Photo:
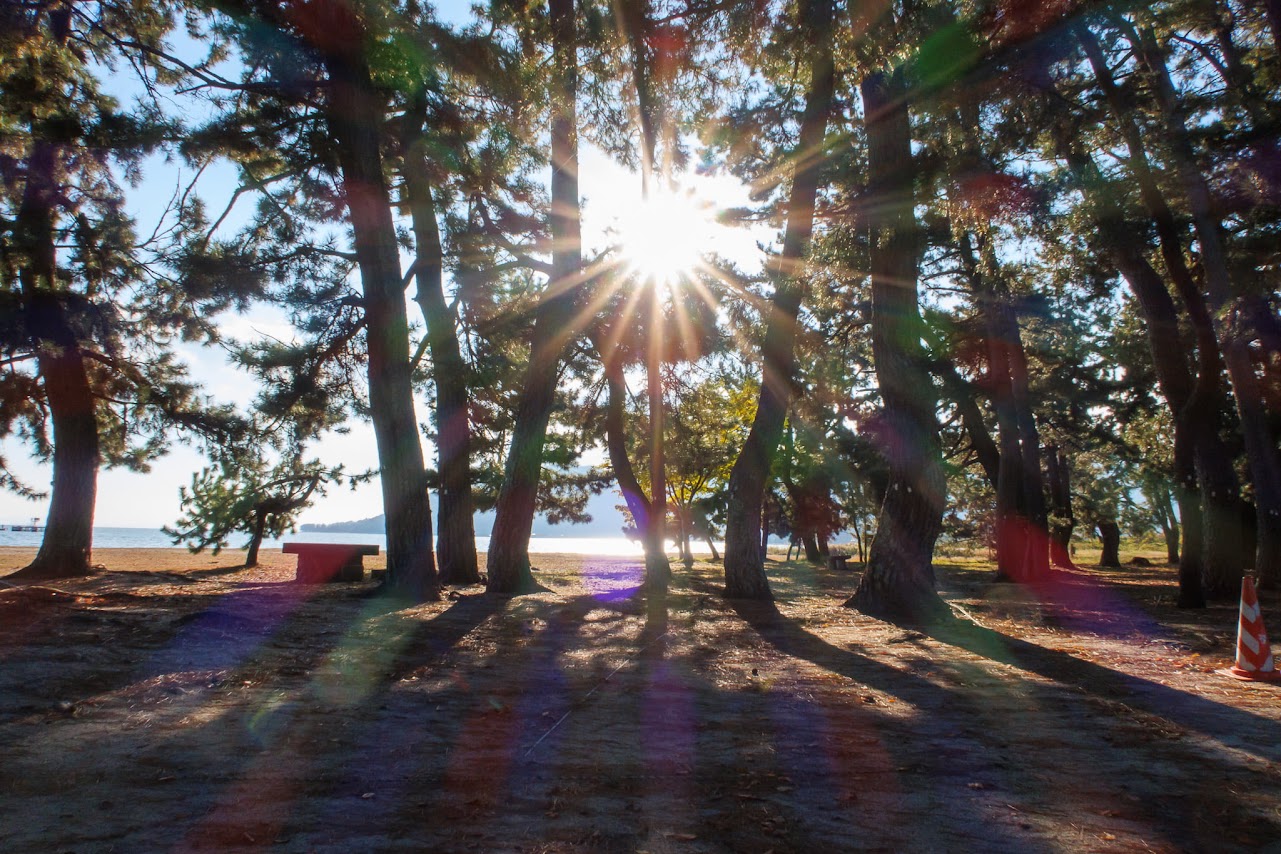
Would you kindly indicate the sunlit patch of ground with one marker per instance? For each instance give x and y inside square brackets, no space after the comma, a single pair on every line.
[179,702]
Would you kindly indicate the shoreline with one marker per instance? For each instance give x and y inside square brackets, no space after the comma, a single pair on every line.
[271,561]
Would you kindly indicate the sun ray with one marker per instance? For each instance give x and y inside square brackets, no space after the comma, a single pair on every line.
[663,238]
[628,310]
[600,269]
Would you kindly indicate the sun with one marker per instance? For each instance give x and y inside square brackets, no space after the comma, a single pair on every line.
[664,238]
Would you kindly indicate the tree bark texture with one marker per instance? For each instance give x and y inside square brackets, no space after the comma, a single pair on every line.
[1022,538]
[66,547]
[898,583]
[1011,526]
[456,532]
[1169,526]
[355,117]
[1059,481]
[744,558]
[658,569]
[508,563]
[638,503]
[1110,536]
[1035,510]
[256,537]
[616,436]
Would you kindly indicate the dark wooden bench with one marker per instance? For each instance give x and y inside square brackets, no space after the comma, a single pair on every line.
[322,562]
[838,562]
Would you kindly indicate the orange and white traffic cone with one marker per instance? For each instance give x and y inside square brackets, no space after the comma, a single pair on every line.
[1254,654]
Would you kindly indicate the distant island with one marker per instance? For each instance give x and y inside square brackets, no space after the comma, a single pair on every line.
[606,522]
[372,525]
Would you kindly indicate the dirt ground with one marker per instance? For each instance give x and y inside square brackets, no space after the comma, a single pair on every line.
[175,702]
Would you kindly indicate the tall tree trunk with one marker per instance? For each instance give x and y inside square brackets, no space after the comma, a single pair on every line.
[1059,479]
[1204,472]
[1110,535]
[1035,511]
[899,580]
[616,435]
[1261,452]
[810,543]
[456,534]
[962,394]
[1011,525]
[355,119]
[66,547]
[744,563]
[658,569]
[1022,536]
[1193,421]
[638,504]
[256,537]
[1165,340]
[683,521]
[1169,524]
[1191,512]
[508,563]
[639,28]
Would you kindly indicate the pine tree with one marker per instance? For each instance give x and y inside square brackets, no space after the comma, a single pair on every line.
[898,582]
[250,497]
[554,326]
[89,376]
[310,116]
[744,557]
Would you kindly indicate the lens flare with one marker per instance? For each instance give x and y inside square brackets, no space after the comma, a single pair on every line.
[663,238]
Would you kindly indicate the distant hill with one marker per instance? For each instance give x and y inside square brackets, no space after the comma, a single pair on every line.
[606,522]
[372,525]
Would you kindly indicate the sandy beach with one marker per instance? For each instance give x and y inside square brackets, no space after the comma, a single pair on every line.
[177,701]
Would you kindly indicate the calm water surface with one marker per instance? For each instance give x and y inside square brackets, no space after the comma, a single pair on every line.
[153,538]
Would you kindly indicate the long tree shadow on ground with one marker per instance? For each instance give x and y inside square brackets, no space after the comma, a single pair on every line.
[591,722]
[1182,808]
[1235,727]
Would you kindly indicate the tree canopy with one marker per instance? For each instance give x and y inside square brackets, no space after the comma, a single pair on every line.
[1019,274]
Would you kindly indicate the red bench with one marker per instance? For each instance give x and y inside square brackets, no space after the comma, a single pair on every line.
[322,562]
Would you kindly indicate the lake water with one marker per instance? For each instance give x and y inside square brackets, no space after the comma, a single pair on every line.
[153,538]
